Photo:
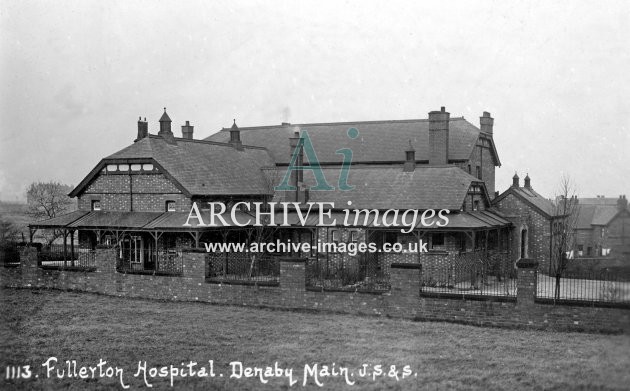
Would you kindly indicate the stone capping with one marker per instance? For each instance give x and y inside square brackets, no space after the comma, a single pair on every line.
[406,266]
[193,250]
[527,263]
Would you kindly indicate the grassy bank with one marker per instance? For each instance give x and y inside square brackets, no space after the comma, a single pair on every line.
[37,325]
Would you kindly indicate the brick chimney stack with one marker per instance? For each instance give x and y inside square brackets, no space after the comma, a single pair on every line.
[235,137]
[187,131]
[515,180]
[438,137]
[410,159]
[622,203]
[486,122]
[143,128]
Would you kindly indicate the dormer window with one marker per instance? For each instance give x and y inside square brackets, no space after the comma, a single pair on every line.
[96,204]
[171,206]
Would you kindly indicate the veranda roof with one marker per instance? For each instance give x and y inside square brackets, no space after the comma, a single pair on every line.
[174,221]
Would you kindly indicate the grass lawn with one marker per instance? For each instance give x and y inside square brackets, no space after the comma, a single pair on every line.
[40,324]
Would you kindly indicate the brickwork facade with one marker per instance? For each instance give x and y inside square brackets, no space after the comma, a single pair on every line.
[141,192]
[537,228]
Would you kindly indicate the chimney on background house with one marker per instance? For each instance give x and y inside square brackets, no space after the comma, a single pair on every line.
[486,122]
[410,159]
[297,176]
[622,203]
[187,131]
[143,128]
[515,180]
[165,128]
[235,137]
[438,137]
[528,183]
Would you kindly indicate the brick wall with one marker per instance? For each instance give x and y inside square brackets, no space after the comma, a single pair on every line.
[403,300]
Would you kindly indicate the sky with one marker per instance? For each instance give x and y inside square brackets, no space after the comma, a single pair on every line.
[76,75]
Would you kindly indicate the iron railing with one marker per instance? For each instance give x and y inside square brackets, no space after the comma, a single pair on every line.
[362,273]
[55,257]
[479,272]
[598,287]
[242,268]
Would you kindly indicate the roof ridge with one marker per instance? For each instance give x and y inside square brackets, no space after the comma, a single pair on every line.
[341,123]
[204,141]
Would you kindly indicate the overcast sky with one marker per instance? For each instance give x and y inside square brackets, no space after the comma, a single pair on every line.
[555,75]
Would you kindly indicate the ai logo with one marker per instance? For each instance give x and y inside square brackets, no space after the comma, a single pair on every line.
[305,144]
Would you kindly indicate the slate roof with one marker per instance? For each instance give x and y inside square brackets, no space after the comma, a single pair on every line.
[378,141]
[531,197]
[105,219]
[199,167]
[389,187]
[59,221]
[589,215]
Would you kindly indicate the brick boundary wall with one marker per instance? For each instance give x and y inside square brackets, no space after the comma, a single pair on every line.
[402,301]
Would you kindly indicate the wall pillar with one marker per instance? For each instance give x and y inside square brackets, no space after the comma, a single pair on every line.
[526,281]
[405,289]
[28,265]
[293,274]
[194,264]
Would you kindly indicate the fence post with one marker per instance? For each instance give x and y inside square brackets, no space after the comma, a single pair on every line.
[526,281]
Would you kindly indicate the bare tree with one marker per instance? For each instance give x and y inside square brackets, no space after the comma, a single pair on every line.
[48,200]
[563,228]
[8,232]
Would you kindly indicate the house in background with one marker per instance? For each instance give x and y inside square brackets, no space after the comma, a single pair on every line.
[139,198]
[603,228]
[533,217]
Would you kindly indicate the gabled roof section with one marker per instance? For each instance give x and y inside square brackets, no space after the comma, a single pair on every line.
[592,214]
[387,187]
[198,168]
[378,141]
[532,198]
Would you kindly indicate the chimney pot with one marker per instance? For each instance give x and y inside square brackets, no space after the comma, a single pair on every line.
[143,129]
[528,182]
[622,203]
[187,131]
[486,123]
